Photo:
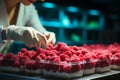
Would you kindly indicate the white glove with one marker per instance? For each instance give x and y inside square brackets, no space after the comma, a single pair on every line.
[51,38]
[28,35]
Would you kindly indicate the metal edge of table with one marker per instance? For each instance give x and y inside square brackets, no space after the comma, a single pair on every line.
[6,76]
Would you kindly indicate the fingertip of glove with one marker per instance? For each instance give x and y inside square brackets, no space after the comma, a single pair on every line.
[43,46]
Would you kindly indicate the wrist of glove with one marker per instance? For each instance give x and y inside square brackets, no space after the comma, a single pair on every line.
[28,35]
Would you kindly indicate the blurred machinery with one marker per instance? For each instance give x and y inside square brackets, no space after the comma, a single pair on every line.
[70,23]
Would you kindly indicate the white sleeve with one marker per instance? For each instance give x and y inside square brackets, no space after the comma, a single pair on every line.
[34,20]
[1,27]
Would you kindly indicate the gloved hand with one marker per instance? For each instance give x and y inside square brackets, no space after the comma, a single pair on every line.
[51,38]
[28,35]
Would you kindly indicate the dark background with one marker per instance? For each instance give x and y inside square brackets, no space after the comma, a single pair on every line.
[109,8]
[106,6]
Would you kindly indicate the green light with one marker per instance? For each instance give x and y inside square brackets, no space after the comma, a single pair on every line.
[75,37]
[92,24]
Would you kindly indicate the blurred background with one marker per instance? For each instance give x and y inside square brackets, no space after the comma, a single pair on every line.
[77,22]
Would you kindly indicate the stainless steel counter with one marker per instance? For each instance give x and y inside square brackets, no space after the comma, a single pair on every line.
[111,75]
